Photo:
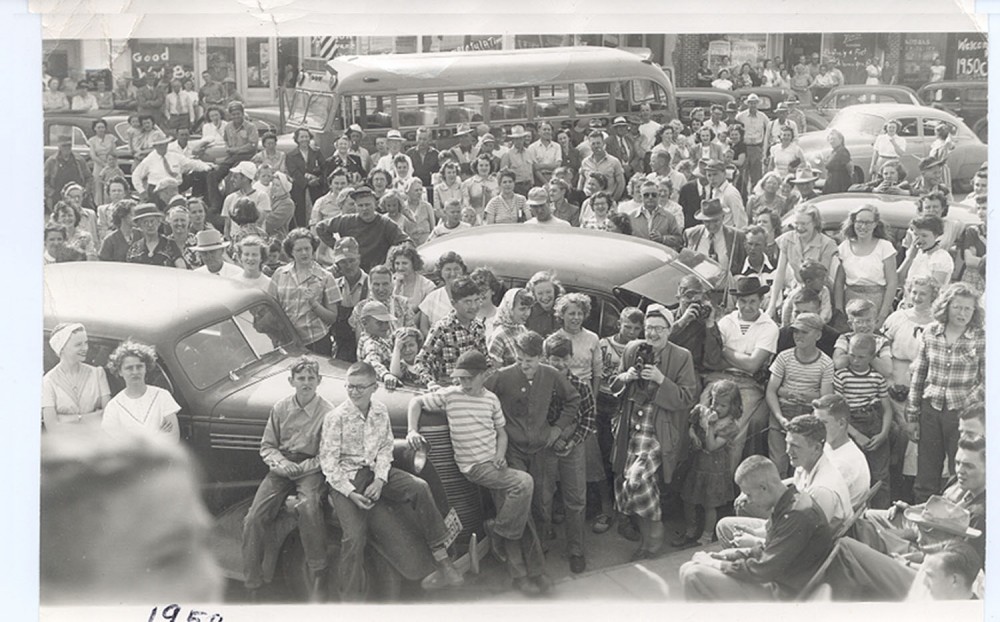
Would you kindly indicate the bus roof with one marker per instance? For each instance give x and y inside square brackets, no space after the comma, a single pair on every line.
[391,73]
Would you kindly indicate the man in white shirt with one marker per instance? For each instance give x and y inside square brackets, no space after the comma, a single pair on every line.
[600,161]
[394,141]
[544,154]
[835,414]
[717,123]
[243,176]
[541,209]
[732,202]
[84,100]
[162,163]
[647,128]
[211,247]
[755,137]
[780,121]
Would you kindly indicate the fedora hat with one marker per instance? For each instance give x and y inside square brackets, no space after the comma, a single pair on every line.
[804,176]
[159,138]
[208,240]
[354,127]
[711,209]
[393,135]
[470,363]
[463,129]
[943,515]
[144,210]
[518,131]
[346,248]
[748,286]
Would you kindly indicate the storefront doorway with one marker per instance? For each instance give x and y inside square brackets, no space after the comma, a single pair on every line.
[801,44]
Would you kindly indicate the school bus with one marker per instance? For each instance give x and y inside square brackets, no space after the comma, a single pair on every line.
[500,88]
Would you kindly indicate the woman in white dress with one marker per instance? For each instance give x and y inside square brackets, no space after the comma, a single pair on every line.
[74,394]
[873,71]
[139,408]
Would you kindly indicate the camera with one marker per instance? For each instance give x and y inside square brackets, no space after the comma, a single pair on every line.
[643,356]
[702,310]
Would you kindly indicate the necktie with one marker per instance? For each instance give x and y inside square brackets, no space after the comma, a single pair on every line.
[166,166]
[714,256]
[624,145]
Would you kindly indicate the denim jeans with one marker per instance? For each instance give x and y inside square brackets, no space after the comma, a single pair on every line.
[572,475]
[401,488]
[260,518]
[938,440]
[512,493]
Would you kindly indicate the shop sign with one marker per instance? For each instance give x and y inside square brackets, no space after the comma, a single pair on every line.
[970,57]
[173,59]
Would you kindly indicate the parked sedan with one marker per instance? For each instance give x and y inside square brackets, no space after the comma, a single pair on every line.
[79,126]
[700,97]
[854,94]
[861,124]
[966,99]
[896,211]
[615,270]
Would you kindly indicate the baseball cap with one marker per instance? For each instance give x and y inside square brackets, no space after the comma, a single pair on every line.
[470,363]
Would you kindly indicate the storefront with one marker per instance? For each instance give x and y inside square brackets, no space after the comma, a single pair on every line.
[964,56]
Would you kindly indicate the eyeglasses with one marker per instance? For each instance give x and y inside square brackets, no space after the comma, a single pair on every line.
[357,388]
[657,329]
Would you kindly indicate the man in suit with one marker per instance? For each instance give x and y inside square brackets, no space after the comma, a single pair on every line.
[693,193]
[716,240]
[624,147]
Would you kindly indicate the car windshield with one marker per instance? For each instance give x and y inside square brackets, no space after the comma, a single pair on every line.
[215,351]
[852,123]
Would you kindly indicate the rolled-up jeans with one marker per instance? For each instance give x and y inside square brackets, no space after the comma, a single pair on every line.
[271,495]
[571,472]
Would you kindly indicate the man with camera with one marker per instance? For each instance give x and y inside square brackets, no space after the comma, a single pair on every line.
[696,329]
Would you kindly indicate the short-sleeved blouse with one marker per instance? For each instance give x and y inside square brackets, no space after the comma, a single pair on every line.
[415,294]
[865,270]
[436,305]
[821,248]
[145,414]
[58,390]
[904,335]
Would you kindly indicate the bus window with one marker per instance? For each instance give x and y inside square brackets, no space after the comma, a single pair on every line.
[416,110]
[647,92]
[552,100]
[592,98]
[320,107]
[463,107]
[373,111]
[508,105]
[297,109]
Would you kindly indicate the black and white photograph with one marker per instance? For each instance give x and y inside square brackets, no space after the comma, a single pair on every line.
[677,311]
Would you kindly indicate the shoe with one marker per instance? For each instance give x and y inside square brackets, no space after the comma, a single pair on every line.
[497,543]
[544,583]
[602,524]
[628,531]
[526,586]
[577,564]
[445,576]
[706,539]
[684,541]
[318,586]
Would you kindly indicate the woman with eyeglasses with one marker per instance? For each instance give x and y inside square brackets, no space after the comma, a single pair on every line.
[867,263]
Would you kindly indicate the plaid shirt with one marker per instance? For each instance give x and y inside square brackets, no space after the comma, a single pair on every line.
[944,373]
[294,295]
[447,339]
[377,352]
[586,416]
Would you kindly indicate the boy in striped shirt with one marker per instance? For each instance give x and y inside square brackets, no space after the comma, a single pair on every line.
[476,424]
[867,395]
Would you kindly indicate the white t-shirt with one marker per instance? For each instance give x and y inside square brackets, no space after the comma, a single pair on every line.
[852,464]
[228,270]
[865,269]
[762,333]
[904,335]
[146,414]
[883,145]
[262,281]
[926,264]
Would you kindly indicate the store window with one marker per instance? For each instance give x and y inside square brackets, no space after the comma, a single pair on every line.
[258,62]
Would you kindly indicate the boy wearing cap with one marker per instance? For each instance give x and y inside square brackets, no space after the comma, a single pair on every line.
[243,175]
[798,376]
[479,438]
[541,210]
[375,342]
[375,233]
[290,448]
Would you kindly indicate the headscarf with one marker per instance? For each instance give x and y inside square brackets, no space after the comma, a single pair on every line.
[505,311]
[59,338]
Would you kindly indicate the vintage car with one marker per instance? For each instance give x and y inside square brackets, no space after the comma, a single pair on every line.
[223,351]
[690,98]
[853,94]
[615,270]
[896,211]
[79,126]
[966,99]
[862,123]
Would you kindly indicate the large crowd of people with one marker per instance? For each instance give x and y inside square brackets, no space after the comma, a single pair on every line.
[825,377]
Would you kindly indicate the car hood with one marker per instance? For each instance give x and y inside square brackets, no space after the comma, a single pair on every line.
[814,142]
[254,399]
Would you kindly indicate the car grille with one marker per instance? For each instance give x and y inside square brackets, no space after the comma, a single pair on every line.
[463,495]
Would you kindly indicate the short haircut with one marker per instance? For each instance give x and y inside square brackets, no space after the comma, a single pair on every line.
[141,351]
[575,298]
[806,296]
[463,288]
[863,341]
[754,230]
[361,369]
[529,343]
[244,211]
[958,557]
[299,233]
[632,314]
[859,307]
[835,404]
[928,222]
[407,250]
[812,270]
[809,426]
[976,411]
[558,344]
[380,269]
[304,363]
[252,241]
[757,467]
[973,443]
